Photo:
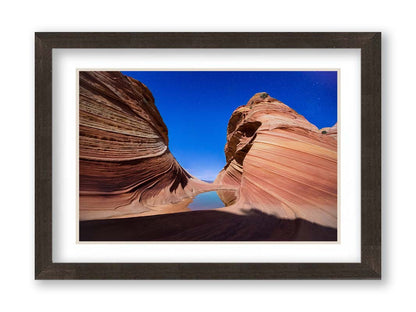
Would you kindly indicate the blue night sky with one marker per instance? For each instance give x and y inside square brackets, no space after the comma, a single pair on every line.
[196,106]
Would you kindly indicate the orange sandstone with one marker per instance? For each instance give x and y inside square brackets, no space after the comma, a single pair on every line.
[283,165]
[126,168]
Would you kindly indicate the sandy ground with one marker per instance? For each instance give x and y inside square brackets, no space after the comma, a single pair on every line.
[207,225]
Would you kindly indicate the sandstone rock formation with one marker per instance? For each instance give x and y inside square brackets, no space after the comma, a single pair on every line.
[125,164]
[331,131]
[279,183]
[283,165]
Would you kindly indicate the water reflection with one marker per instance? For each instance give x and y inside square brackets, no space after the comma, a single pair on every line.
[207,200]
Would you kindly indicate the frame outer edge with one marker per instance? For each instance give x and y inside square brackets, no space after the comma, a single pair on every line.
[371,154]
[370,266]
[43,155]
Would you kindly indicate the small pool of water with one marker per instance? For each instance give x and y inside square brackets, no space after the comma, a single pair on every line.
[207,200]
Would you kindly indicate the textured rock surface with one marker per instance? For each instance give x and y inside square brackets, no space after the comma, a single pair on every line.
[282,163]
[124,162]
[331,131]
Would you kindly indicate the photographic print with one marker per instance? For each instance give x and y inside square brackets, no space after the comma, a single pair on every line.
[208,155]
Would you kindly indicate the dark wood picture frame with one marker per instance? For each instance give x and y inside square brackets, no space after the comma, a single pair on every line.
[370,265]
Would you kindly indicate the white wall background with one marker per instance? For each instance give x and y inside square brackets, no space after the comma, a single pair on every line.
[19,20]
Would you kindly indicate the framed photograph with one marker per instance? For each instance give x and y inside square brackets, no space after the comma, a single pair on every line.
[208,156]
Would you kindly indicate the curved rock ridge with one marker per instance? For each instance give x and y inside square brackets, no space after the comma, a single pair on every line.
[331,131]
[283,165]
[125,165]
